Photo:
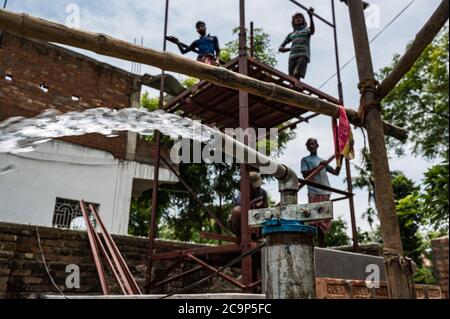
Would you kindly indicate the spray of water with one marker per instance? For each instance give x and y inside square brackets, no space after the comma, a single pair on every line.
[20,134]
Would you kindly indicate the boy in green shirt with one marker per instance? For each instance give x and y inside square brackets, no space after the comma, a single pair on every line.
[299,56]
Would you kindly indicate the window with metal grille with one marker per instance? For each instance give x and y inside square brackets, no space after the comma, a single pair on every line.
[68,213]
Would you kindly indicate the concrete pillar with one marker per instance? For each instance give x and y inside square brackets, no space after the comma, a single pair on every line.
[135,101]
[290,266]
[289,258]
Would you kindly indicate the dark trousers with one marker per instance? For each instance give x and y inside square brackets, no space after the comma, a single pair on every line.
[321,226]
[298,67]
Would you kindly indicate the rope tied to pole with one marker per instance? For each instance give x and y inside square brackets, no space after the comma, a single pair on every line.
[368,86]
[406,264]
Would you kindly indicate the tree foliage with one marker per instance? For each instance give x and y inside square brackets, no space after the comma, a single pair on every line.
[337,235]
[262,47]
[420,101]
[435,197]
[408,206]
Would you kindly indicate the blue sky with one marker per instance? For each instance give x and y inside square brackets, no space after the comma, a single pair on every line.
[126,19]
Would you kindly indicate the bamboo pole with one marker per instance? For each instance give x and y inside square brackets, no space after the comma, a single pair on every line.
[423,39]
[397,271]
[44,30]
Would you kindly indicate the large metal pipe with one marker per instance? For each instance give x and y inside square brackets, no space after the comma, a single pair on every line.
[289,257]
[287,178]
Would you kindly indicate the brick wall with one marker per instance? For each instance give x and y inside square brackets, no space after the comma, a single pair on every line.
[440,256]
[327,288]
[26,64]
[23,275]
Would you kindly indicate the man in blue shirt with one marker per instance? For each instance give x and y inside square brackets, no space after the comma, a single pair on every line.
[207,46]
[308,165]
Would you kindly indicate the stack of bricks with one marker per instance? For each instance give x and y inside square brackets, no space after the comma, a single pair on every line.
[327,288]
[440,256]
[23,273]
[8,245]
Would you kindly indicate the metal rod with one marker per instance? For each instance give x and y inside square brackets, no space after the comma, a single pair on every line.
[246,263]
[95,251]
[154,211]
[218,237]
[167,271]
[212,269]
[252,40]
[336,50]
[255,284]
[130,283]
[347,162]
[176,277]
[4,4]
[323,187]
[315,14]
[296,85]
[155,203]
[223,268]
[317,171]
[339,199]
[294,124]
[110,263]
[198,251]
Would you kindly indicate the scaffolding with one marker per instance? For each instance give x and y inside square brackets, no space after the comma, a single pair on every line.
[369,117]
[216,105]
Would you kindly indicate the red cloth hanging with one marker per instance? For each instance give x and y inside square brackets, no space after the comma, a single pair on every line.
[344,135]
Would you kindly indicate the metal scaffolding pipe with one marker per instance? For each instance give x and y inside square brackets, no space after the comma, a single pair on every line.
[287,178]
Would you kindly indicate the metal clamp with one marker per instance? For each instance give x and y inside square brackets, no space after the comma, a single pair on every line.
[301,213]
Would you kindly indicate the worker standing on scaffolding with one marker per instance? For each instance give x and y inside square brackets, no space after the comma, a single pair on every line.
[207,46]
[308,165]
[300,50]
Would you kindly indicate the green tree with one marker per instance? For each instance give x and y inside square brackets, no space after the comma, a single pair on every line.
[435,197]
[262,47]
[337,235]
[408,206]
[150,103]
[409,219]
[364,179]
[420,101]
[370,237]
[410,215]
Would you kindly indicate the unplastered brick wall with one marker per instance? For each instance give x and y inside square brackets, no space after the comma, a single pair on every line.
[37,76]
[23,274]
[440,256]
